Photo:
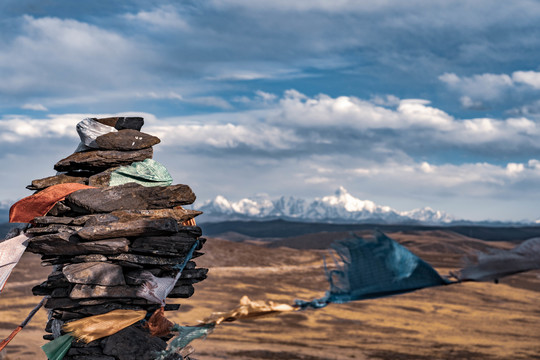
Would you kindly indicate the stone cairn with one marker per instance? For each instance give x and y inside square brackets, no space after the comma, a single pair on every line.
[99,240]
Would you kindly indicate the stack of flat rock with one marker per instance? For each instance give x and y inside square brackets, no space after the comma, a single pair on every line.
[101,240]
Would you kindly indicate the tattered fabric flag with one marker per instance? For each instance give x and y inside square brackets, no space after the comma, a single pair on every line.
[39,204]
[186,334]
[11,251]
[6,341]
[147,173]
[156,289]
[372,269]
[58,348]
[96,327]
[248,309]
[91,328]
[89,130]
[498,263]
[158,324]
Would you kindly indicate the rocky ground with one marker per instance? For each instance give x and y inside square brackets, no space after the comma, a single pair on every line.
[463,321]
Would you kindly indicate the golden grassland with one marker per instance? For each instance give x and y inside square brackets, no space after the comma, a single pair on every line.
[460,321]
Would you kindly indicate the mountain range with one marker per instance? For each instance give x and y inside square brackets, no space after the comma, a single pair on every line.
[342,207]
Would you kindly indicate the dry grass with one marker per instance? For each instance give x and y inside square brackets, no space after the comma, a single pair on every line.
[462,321]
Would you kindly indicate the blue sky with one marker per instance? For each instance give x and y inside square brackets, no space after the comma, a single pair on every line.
[408,104]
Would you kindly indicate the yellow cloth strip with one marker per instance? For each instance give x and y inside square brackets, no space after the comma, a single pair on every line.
[248,310]
[96,327]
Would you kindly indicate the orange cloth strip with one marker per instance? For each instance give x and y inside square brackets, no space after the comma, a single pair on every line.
[25,210]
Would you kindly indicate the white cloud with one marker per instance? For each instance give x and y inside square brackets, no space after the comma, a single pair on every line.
[484,86]
[265,96]
[225,136]
[61,56]
[387,100]
[240,76]
[318,122]
[531,78]
[469,103]
[35,107]
[16,129]
[163,17]
[211,101]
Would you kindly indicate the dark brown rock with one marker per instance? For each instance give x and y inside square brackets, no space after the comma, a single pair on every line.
[67,244]
[178,213]
[44,289]
[133,343]
[90,350]
[101,179]
[59,209]
[194,274]
[147,260]
[60,292]
[94,273]
[61,303]
[129,228]
[47,220]
[182,291]
[129,196]
[53,228]
[97,160]
[178,243]
[40,184]
[81,291]
[120,123]
[126,140]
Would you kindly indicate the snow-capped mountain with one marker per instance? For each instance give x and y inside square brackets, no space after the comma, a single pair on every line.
[342,207]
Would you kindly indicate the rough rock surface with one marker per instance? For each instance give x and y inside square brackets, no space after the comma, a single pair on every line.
[94,273]
[40,184]
[129,196]
[135,227]
[126,140]
[179,214]
[133,343]
[61,244]
[82,291]
[98,160]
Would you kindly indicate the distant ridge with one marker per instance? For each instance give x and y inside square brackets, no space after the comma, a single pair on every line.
[282,228]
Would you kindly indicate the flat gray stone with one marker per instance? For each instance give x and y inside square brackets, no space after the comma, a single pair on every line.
[40,184]
[62,244]
[47,220]
[127,139]
[177,243]
[129,228]
[53,228]
[81,291]
[96,160]
[130,196]
[94,273]
[147,260]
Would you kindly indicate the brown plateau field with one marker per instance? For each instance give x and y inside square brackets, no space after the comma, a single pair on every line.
[460,321]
